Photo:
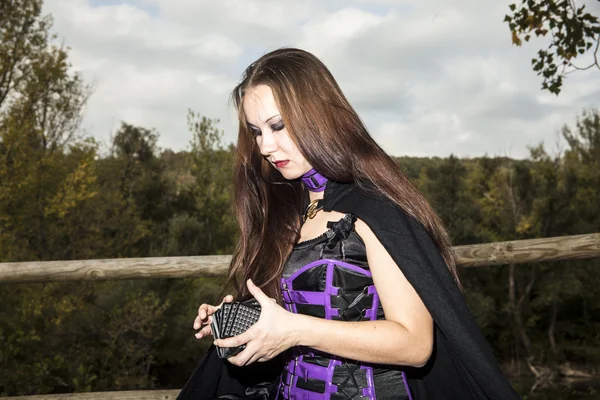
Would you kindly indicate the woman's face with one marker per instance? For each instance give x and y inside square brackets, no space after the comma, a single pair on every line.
[275,144]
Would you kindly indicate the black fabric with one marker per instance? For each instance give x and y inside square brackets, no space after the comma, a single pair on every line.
[216,379]
[463,365]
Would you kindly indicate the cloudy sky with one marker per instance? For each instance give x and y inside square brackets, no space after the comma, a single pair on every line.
[429,77]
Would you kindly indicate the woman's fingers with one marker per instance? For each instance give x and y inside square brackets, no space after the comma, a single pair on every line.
[198,322]
[256,292]
[255,357]
[235,341]
[243,357]
[205,311]
[203,332]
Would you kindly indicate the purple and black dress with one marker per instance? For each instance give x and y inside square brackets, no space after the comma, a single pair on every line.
[329,277]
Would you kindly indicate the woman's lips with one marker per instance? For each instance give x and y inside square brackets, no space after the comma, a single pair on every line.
[281,163]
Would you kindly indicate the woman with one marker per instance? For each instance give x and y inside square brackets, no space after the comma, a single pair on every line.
[358,288]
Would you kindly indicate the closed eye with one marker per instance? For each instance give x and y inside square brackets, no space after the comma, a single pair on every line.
[254,130]
[278,126]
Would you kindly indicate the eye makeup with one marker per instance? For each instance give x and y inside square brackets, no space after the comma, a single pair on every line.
[255,131]
[276,127]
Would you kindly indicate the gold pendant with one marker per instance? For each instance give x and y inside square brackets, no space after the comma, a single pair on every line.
[312,209]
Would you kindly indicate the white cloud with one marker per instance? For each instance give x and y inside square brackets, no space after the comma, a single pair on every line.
[325,32]
[428,77]
[217,46]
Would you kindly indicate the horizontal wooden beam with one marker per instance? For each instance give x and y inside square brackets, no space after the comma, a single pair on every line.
[116,268]
[498,253]
[125,395]
[529,250]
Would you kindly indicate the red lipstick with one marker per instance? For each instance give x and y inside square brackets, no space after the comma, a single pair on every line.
[280,164]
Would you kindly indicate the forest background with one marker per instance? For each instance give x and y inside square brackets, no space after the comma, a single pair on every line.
[65,197]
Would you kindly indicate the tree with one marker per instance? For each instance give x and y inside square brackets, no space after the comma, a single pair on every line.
[41,103]
[135,196]
[211,164]
[444,185]
[573,33]
[47,179]
[23,36]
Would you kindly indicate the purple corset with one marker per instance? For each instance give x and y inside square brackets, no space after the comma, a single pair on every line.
[334,289]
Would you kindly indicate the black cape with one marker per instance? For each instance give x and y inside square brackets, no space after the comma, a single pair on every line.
[462,365]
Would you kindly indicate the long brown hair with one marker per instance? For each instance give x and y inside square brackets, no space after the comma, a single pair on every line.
[333,139]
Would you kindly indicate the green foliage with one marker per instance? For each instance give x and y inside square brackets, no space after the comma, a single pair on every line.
[545,312]
[444,185]
[211,165]
[60,200]
[572,31]
[23,39]
[46,171]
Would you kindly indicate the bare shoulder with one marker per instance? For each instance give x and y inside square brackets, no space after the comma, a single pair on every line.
[365,233]
[380,261]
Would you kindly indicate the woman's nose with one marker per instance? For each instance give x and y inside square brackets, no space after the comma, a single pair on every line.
[267,144]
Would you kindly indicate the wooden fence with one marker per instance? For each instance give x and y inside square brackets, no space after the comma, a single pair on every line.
[124,395]
[499,253]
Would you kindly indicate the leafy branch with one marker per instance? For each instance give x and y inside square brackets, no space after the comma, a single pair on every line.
[573,33]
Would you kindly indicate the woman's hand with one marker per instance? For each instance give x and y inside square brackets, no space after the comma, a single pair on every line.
[204,317]
[269,336]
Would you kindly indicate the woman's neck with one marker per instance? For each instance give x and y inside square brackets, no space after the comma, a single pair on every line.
[315,195]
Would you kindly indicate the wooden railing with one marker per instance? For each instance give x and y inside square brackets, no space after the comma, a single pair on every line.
[477,255]
[498,253]
[124,395]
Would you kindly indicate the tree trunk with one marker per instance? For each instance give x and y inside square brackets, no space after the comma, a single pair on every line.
[551,336]
[516,308]
[512,306]
[525,296]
